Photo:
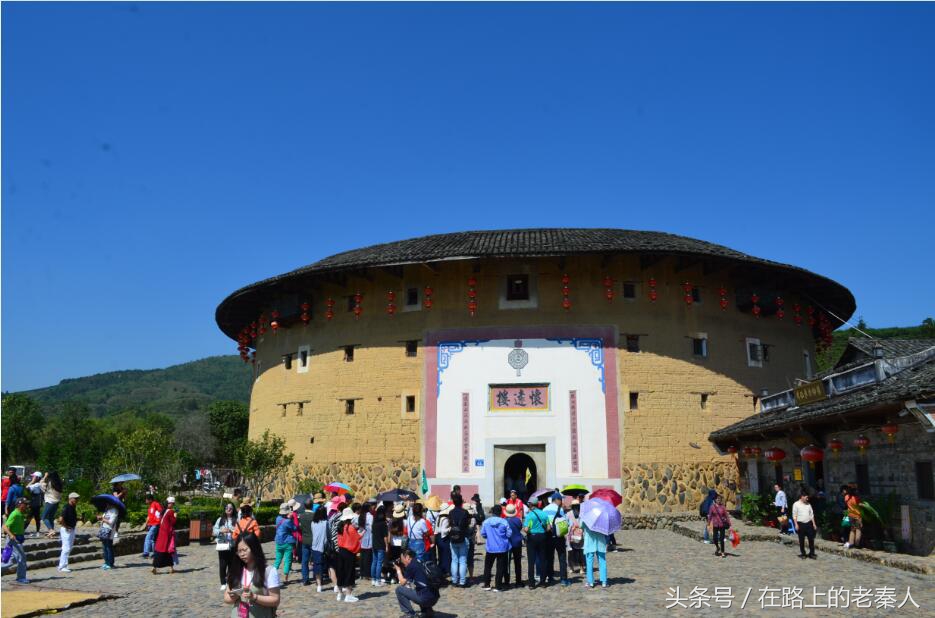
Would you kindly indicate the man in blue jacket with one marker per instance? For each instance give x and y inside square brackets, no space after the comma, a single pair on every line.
[497,533]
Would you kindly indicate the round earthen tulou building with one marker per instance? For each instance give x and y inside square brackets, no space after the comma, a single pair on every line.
[528,358]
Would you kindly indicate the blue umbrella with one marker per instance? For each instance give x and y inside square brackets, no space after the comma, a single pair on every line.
[600,516]
[123,478]
[105,501]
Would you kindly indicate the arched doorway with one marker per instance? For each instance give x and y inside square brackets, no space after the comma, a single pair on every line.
[515,475]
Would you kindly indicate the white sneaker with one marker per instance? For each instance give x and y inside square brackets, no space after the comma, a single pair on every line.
[223,587]
[603,584]
[845,546]
[64,570]
[319,587]
[350,598]
[340,597]
[337,590]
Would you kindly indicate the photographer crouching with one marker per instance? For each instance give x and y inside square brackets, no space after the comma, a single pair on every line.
[424,590]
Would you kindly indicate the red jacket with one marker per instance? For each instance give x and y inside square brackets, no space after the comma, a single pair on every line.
[154,514]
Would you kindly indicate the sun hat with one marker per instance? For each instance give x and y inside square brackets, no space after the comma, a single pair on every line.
[399,511]
[433,503]
[448,508]
[347,514]
[171,499]
[502,500]
[73,495]
[284,508]
[37,474]
[532,502]
[511,510]
[296,507]
[248,501]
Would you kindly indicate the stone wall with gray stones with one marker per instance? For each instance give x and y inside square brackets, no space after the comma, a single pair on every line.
[674,488]
[365,479]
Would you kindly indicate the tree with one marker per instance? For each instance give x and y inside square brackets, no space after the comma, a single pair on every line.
[261,461]
[75,444]
[22,422]
[928,328]
[229,423]
[193,435]
[144,452]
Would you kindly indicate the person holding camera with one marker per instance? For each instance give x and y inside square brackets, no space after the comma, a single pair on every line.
[409,570]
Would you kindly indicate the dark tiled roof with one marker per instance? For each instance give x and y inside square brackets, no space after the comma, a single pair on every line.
[891,347]
[917,382]
[524,243]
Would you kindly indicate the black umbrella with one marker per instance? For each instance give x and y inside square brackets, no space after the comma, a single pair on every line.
[105,501]
[302,498]
[397,495]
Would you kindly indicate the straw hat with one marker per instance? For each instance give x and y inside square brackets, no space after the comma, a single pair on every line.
[248,501]
[432,503]
[347,514]
[399,511]
[511,510]
[73,495]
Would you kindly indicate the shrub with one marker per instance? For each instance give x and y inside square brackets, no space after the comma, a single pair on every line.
[754,507]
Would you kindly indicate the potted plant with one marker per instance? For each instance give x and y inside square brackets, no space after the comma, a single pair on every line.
[883,515]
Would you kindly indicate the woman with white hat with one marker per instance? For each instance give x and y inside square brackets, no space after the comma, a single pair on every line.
[348,548]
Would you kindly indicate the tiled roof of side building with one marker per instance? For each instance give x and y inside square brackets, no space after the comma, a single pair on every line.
[531,243]
[891,347]
[914,382]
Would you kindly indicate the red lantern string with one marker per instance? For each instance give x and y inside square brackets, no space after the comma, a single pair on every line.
[723,293]
[653,295]
[756,308]
[329,314]
[608,288]
[780,314]
[566,302]
[306,318]
[427,303]
[861,442]
[687,288]
[835,445]
[472,296]
[390,305]
[358,298]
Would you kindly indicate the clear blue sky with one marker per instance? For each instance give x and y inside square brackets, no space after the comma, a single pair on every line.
[158,156]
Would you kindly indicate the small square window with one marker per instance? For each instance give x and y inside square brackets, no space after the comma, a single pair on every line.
[807,360]
[754,352]
[348,354]
[696,294]
[633,343]
[634,401]
[700,347]
[925,482]
[412,348]
[629,290]
[412,297]
[348,406]
[517,287]
[303,358]
[704,401]
[410,403]
[287,361]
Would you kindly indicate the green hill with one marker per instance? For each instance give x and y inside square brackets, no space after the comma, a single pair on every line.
[175,391]
[830,357]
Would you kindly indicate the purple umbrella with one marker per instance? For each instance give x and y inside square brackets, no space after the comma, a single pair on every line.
[540,492]
[600,516]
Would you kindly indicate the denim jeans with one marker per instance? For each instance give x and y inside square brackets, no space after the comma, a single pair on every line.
[150,540]
[459,562]
[557,546]
[48,515]
[535,558]
[19,556]
[444,555]
[306,558]
[108,551]
[376,567]
[602,565]
[418,546]
[405,596]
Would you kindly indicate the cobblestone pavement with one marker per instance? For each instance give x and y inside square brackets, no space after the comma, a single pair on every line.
[651,562]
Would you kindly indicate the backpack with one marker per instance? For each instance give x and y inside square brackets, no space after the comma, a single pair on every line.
[433,574]
[458,531]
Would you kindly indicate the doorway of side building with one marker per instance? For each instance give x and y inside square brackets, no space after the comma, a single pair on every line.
[520,473]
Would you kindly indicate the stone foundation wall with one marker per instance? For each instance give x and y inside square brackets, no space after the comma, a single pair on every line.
[365,479]
[676,487]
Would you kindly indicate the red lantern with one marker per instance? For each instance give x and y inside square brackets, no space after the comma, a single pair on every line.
[812,454]
[472,296]
[775,454]
[566,302]
[608,282]
[723,293]
[262,331]
[427,303]
[306,318]
[608,288]
[780,314]
[890,429]
[687,288]
[724,304]
[472,281]
[652,289]
[732,450]
[861,442]
[472,307]
[306,307]
[835,445]
[757,451]
[747,452]
[390,305]
[329,314]
[756,308]
[274,325]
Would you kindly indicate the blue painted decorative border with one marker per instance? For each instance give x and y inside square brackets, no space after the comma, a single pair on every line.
[594,348]
[447,349]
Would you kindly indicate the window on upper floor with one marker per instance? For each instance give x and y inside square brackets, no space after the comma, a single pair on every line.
[348,406]
[754,352]
[517,287]
[700,346]
[629,290]
[412,348]
[633,343]
[412,297]
[410,403]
